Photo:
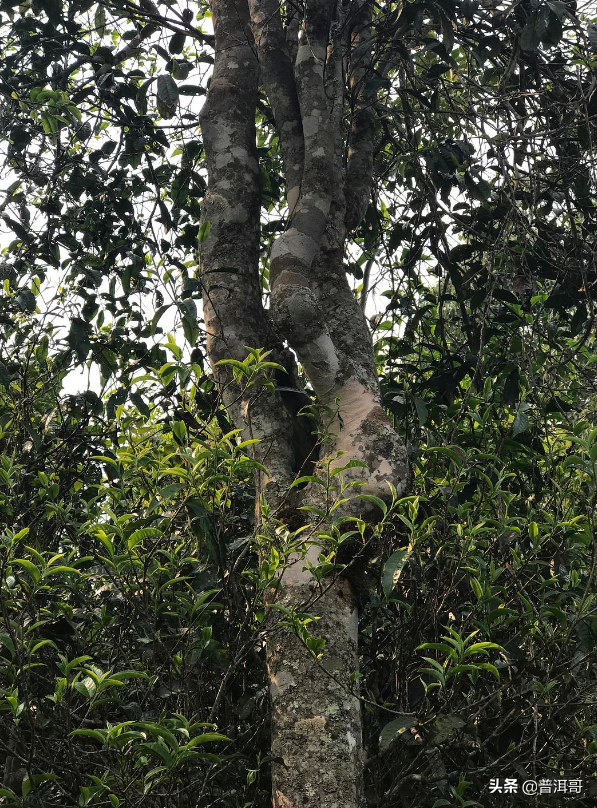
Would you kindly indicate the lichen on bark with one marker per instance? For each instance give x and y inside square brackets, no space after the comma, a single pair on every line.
[316,714]
[306,73]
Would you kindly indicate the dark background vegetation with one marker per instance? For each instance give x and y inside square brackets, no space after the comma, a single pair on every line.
[132,600]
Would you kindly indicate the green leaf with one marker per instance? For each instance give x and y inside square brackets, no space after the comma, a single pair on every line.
[180,70]
[158,315]
[437,646]
[20,535]
[374,85]
[521,424]
[158,749]
[188,308]
[53,9]
[395,728]
[29,567]
[445,726]
[169,491]
[5,376]
[180,431]
[139,402]
[49,123]
[42,644]
[559,8]
[159,731]
[511,392]
[35,780]
[530,38]
[204,231]
[96,734]
[454,453]
[61,569]
[122,676]
[376,501]
[7,642]
[177,41]
[487,666]
[86,687]
[25,300]
[207,737]
[7,792]
[307,479]
[482,648]
[100,18]
[141,96]
[422,411]
[78,337]
[140,535]
[191,89]
[167,95]
[393,568]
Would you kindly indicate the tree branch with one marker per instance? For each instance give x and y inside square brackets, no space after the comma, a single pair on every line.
[295,306]
[233,308]
[278,78]
[359,170]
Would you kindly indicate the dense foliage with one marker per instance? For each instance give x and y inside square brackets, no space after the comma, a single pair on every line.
[132,599]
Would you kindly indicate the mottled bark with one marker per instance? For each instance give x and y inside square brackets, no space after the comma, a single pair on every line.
[313,306]
[359,173]
[278,79]
[292,28]
[316,717]
[232,304]
[295,307]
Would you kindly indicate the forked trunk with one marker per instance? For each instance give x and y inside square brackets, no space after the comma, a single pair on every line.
[316,724]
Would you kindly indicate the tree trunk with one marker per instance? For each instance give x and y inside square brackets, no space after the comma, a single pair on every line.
[316,727]
[316,719]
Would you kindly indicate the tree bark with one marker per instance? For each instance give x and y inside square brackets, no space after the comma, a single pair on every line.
[232,303]
[316,725]
[316,718]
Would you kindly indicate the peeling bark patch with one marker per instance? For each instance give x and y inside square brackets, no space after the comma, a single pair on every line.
[310,726]
[292,196]
[311,125]
[321,363]
[295,244]
[279,683]
[297,573]
[363,432]
[289,278]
